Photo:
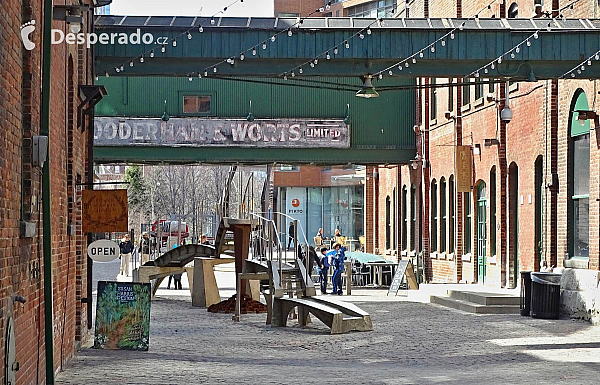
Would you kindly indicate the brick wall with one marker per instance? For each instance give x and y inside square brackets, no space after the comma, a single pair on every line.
[22,260]
[301,7]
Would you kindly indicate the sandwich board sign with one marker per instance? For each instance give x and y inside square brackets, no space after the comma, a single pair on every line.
[404,269]
[122,316]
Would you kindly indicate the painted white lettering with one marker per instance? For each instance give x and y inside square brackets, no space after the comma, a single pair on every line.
[112,128]
[61,36]
[124,131]
[123,38]
[295,134]
[135,38]
[137,128]
[254,132]
[239,132]
[103,38]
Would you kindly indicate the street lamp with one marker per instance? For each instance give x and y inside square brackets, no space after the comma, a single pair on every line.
[367,91]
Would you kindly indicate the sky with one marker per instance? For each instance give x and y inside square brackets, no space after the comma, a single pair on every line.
[246,8]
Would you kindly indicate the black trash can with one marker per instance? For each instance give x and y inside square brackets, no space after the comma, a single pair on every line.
[525,293]
[545,295]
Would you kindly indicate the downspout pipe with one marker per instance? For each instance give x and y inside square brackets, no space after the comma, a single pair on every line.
[46,197]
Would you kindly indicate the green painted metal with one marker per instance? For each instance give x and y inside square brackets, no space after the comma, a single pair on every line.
[481,41]
[46,198]
[382,123]
[581,104]
[225,155]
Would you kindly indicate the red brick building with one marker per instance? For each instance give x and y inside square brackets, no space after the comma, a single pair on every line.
[298,8]
[21,230]
[532,202]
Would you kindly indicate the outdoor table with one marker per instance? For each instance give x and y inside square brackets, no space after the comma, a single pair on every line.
[377,271]
[351,242]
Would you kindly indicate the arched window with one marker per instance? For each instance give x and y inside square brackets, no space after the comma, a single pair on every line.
[443,217]
[513,11]
[579,179]
[413,216]
[468,239]
[404,218]
[434,216]
[451,206]
[388,223]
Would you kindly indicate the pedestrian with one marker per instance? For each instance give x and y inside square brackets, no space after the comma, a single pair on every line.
[126,248]
[144,249]
[320,234]
[338,265]
[204,240]
[291,235]
[324,270]
[176,281]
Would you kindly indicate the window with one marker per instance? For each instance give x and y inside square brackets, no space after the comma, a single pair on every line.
[381,8]
[388,223]
[513,11]
[451,206]
[287,167]
[434,216]
[196,104]
[466,92]
[443,214]
[579,181]
[478,91]
[493,210]
[413,216]
[450,96]
[433,101]
[468,214]
[404,219]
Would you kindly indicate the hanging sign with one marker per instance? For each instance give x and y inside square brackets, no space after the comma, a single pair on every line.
[122,316]
[464,164]
[103,250]
[104,211]
[202,132]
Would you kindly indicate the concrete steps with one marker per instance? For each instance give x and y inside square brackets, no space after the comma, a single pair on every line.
[478,302]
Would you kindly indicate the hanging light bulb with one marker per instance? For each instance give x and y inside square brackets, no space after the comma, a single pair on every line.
[380,76]
[328,7]
[131,63]
[477,74]
[597,57]
[162,48]
[200,29]
[572,75]
[215,69]
[312,65]
[461,27]
[141,59]
[493,66]
[264,45]
[232,62]
[321,9]
[443,43]
[512,55]
[391,72]
[328,56]
[518,49]
[421,54]
[242,56]
[293,74]
[432,49]
[285,77]
[579,72]
[205,73]
[189,35]
[369,31]
[122,67]
[290,32]
[347,44]
[300,70]
[117,69]
[583,68]
[361,35]
[199,75]
[528,43]
[273,38]
[589,62]
[414,60]
[549,28]
[536,35]
[485,70]
[96,77]
[500,60]
[107,75]
[452,35]
[190,78]
[253,51]
[212,21]
[335,51]
[174,43]
[316,61]
[406,64]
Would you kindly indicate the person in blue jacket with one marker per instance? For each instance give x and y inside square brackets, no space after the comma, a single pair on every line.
[324,270]
[338,265]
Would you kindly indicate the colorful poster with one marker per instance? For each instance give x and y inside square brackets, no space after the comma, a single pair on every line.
[122,316]
[104,211]
[464,171]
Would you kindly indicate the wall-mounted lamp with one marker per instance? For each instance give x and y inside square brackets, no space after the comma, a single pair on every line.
[416,162]
[165,117]
[250,116]
[449,115]
[71,14]
[583,116]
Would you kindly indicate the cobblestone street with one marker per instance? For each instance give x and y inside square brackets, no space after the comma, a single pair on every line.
[413,343]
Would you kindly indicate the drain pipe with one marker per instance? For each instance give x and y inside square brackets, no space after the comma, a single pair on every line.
[47,230]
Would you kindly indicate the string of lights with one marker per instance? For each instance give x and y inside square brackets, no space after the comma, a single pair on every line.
[517,48]
[412,59]
[579,68]
[327,54]
[253,50]
[173,41]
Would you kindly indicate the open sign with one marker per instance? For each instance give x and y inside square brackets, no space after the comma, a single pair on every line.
[103,250]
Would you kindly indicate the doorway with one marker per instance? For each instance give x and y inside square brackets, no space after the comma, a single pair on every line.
[539,231]
[481,233]
[513,224]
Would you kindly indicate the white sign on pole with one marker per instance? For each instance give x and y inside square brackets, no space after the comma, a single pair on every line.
[296,208]
[103,250]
